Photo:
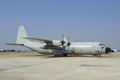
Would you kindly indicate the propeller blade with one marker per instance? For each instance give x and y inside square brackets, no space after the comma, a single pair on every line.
[62,41]
[68,44]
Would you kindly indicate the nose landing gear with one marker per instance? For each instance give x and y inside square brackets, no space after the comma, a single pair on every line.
[97,55]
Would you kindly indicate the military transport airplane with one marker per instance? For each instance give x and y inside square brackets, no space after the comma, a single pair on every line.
[59,47]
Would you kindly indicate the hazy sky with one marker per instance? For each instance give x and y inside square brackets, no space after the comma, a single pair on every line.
[84,20]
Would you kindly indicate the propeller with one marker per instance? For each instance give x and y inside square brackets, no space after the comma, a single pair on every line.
[65,42]
[62,41]
[68,44]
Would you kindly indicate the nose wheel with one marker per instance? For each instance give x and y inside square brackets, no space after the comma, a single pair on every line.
[97,55]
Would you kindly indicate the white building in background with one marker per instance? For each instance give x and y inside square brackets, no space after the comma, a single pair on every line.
[1,50]
[114,50]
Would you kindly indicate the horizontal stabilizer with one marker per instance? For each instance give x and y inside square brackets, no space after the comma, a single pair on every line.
[15,44]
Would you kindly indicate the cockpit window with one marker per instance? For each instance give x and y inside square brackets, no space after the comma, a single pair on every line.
[101,44]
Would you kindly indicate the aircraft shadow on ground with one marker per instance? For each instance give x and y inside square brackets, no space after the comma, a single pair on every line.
[76,55]
[52,56]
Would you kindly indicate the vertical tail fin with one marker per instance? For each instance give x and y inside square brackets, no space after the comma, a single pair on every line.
[21,33]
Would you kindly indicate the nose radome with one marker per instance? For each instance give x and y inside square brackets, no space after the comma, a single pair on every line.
[108,50]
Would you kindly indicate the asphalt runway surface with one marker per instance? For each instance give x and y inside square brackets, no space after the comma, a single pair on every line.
[33,66]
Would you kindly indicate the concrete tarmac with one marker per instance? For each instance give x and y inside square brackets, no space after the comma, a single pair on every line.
[33,66]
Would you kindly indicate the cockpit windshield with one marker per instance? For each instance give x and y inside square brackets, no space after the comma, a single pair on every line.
[101,44]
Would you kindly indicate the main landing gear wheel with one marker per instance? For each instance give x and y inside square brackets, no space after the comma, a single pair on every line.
[65,55]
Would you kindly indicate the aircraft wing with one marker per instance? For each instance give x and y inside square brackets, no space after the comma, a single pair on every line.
[48,42]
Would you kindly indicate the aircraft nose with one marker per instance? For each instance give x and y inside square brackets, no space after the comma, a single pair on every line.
[108,50]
